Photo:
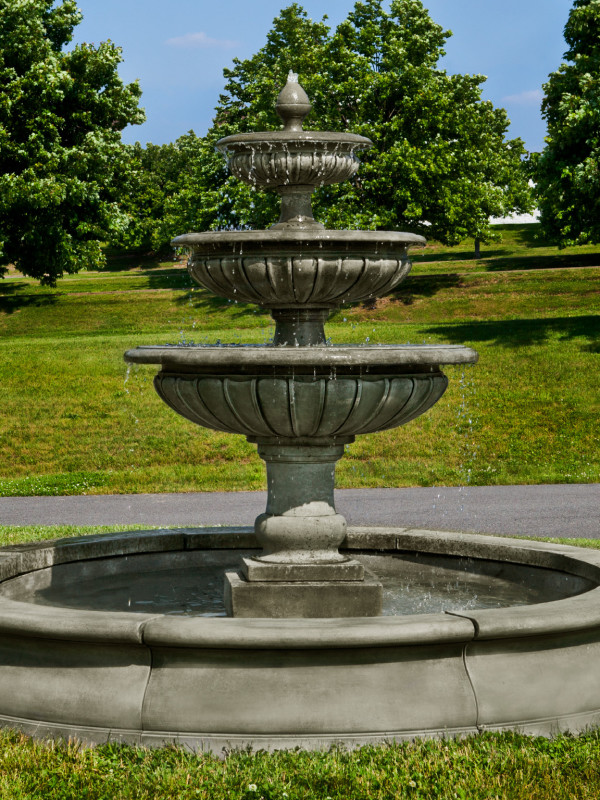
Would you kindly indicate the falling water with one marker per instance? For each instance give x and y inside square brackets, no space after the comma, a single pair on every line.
[465,426]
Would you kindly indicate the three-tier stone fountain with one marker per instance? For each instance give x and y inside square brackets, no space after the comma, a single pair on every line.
[301,631]
[301,401]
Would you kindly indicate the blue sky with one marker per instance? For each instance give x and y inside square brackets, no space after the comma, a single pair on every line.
[178,49]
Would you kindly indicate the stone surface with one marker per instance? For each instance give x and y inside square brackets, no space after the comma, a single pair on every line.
[309,280]
[300,408]
[285,696]
[345,359]
[253,569]
[299,400]
[515,679]
[301,598]
[300,525]
[66,682]
[220,682]
[293,161]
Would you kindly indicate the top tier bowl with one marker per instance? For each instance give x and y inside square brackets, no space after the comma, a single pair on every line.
[297,264]
[292,156]
[275,159]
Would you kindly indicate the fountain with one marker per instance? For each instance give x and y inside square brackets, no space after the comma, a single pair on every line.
[300,631]
[301,401]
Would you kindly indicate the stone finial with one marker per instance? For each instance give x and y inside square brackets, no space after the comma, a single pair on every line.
[292,104]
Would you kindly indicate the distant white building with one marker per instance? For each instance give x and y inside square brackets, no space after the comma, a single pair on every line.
[516,219]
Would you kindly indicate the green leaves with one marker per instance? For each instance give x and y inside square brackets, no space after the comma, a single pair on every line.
[62,164]
[440,164]
[568,170]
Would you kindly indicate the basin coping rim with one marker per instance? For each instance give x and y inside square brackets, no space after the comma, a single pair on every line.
[553,618]
[293,137]
[306,237]
[326,356]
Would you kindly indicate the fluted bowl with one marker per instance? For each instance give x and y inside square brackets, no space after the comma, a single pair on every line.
[304,394]
[300,407]
[278,269]
[278,158]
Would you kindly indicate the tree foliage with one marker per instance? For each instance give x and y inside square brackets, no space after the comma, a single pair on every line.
[440,165]
[61,158]
[568,170]
[156,173]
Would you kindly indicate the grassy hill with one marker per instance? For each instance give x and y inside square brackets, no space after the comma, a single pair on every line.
[74,419]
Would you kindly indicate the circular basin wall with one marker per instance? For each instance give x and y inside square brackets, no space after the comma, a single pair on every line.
[121,637]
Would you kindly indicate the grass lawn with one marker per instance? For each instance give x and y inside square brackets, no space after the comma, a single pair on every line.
[74,419]
[486,767]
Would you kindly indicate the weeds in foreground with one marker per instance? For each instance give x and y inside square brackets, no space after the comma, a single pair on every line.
[503,766]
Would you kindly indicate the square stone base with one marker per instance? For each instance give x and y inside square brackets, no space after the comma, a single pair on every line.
[309,599]
[255,570]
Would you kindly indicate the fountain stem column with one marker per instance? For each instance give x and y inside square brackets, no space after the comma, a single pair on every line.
[296,208]
[300,527]
[299,327]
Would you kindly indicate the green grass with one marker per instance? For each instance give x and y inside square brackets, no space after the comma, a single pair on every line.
[521,247]
[506,767]
[17,534]
[73,420]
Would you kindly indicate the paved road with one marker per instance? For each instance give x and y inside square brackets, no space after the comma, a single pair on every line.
[570,510]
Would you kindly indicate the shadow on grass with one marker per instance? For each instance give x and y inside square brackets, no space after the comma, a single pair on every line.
[118,260]
[202,300]
[455,255]
[557,261]
[526,234]
[418,286]
[175,278]
[9,305]
[520,332]
[494,262]
[14,287]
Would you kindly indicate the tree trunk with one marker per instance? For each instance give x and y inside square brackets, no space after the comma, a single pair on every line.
[477,249]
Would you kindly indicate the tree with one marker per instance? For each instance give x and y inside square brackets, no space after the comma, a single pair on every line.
[61,157]
[155,174]
[440,164]
[568,170]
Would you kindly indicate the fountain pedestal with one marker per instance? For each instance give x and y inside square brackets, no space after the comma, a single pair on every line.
[300,572]
[306,599]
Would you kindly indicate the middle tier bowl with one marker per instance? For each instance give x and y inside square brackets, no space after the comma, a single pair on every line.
[306,394]
[299,268]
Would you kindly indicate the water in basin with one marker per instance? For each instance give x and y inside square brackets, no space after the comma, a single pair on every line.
[191,583]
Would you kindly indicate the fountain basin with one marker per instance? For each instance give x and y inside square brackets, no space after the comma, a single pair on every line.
[300,407]
[302,393]
[141,673]
[289,268]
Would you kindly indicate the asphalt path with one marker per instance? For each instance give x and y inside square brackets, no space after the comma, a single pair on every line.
[564,510]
